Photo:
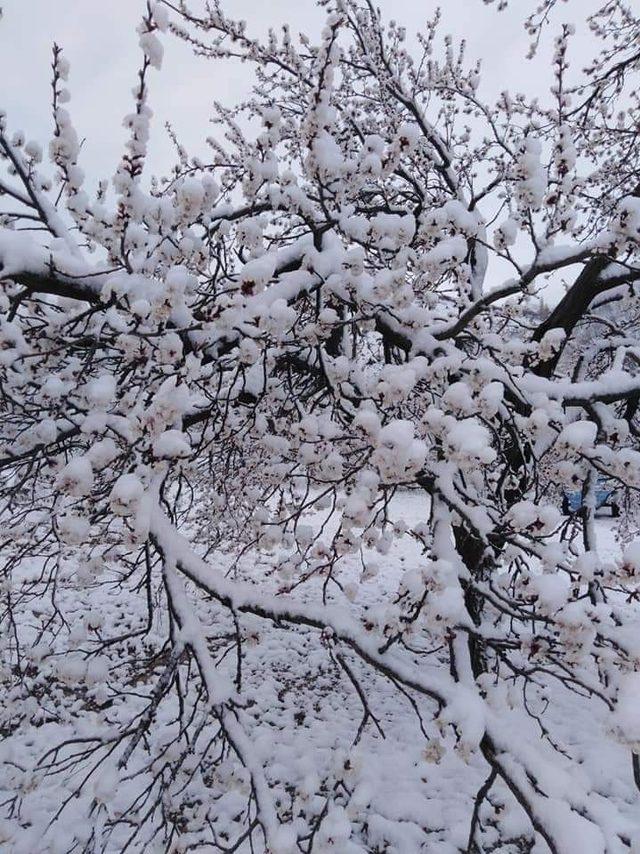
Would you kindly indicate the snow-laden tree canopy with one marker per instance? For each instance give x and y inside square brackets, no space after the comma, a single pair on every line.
[218,632]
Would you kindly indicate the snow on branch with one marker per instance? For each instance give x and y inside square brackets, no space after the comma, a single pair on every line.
[304,450]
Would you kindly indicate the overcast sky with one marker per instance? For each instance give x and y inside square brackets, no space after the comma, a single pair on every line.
[100,41]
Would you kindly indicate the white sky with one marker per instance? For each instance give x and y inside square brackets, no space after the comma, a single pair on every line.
[100,41]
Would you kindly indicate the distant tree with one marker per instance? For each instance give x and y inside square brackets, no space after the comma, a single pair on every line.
[252,357]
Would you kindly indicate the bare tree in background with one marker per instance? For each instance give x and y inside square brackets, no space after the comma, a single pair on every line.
[215,386]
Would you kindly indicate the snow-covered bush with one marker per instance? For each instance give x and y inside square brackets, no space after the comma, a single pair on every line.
[214,387]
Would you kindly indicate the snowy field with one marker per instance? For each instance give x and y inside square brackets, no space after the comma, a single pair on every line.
[390,780]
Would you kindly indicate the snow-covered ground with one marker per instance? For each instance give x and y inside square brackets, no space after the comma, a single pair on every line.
[403,786]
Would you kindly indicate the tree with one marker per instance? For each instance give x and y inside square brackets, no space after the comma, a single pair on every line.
[216,385]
